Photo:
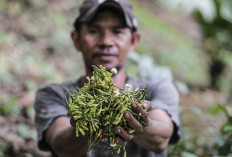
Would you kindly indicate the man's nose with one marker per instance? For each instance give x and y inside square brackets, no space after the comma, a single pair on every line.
[106,40]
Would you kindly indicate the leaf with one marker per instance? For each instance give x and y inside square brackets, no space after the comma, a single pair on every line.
[187,154]
[24,131]
[11,106]
[217,109]
[226,10]
[227,128]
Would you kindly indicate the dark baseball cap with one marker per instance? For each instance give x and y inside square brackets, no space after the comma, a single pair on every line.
[89,8]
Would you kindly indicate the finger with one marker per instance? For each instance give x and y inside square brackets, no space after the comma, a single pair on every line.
[133,123]
[124,134]
[146,105]
[120,141]
[138,109]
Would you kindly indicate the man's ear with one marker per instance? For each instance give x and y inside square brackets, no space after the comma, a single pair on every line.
[135,39]
[75,38]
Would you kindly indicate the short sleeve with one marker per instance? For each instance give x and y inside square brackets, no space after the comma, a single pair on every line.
[49,105]
[164,96]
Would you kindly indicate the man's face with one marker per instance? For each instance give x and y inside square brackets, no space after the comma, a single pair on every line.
[106,41]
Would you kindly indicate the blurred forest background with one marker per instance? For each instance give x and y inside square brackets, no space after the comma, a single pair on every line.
[189,42]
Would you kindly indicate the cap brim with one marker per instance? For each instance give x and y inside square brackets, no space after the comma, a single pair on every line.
[122,6]
[93,11]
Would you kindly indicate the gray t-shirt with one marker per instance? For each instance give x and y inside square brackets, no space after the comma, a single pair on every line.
[50,104]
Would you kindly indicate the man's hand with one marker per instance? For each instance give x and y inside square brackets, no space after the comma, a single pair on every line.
[61,136]
[152,136]
[133,123]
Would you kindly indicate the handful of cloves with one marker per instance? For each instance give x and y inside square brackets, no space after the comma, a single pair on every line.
[100,104]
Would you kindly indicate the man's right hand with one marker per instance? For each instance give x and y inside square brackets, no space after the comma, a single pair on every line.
[61,136]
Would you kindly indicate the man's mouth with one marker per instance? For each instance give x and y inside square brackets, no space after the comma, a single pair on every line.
[104,57]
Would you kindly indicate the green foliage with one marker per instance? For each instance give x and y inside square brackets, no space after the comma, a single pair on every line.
[31,67]
[26,132]
[170,47]
[218,36]
[187,154]
[3,147]
[10,106]
[36,49]
[220,142]
[224,144]
[2,6]
[28,155]
[141,65]
[193,143]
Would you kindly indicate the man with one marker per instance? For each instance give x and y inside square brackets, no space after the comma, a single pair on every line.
[105,32]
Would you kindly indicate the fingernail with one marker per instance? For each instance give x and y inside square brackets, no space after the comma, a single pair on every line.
[145,105]
[133,104]
[127,115]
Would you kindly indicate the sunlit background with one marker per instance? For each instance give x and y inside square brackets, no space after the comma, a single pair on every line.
[189,42]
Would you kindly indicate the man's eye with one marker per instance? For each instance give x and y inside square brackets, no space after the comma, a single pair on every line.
[93,31]
[118,31]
